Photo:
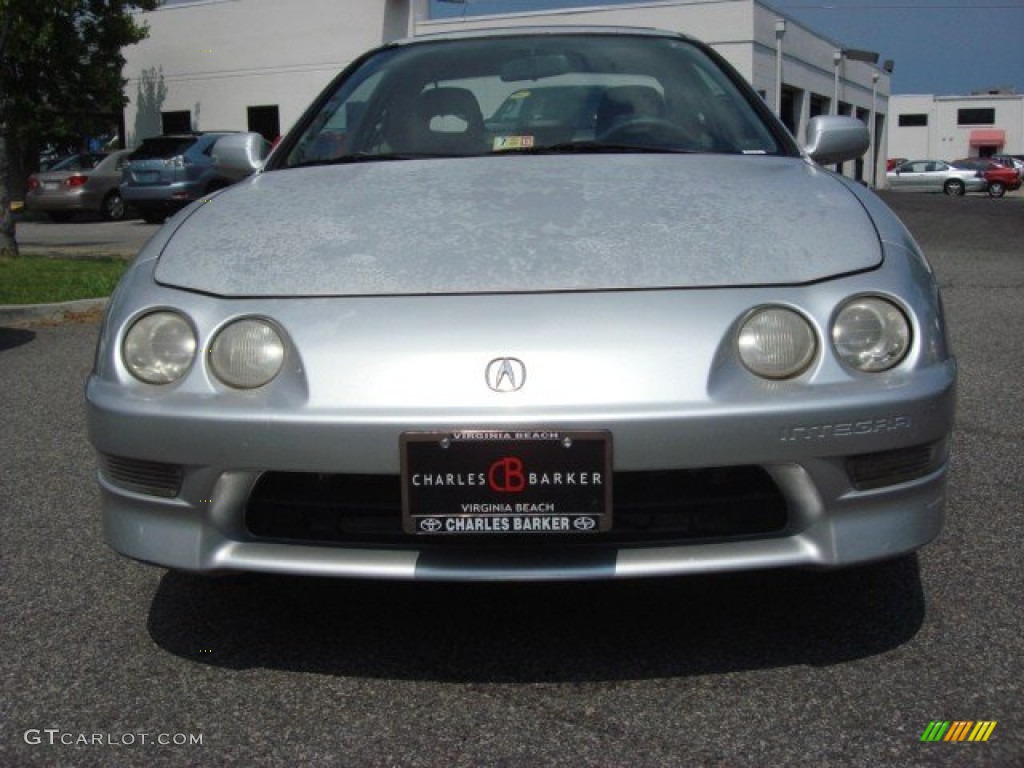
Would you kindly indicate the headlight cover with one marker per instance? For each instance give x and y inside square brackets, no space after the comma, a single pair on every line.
[871,334]
[776,343]
[247,354]
[159,347]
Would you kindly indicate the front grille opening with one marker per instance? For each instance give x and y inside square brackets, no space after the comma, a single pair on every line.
[711,503]
[152,478]
[877,470]
[649,507]
[319,507]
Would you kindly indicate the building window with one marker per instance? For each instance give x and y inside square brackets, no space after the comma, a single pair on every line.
[265,121]
[976,116]
[176,122]
[787,109]
[913,121]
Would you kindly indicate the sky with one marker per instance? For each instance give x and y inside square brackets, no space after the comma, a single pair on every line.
[939,47]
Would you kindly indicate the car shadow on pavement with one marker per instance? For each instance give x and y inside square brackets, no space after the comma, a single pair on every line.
[529,633]
[14,337]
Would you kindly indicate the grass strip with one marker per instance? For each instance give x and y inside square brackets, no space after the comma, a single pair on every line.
[46,280]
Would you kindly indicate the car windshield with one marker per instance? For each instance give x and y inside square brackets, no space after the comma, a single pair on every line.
[162,147]
[534,94]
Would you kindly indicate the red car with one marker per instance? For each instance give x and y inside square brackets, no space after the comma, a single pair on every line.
[999,177]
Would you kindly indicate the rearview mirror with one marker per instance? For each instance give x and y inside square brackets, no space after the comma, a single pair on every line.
[535,68]
[836,139]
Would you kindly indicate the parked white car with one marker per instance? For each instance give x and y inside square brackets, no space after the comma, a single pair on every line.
[935,176]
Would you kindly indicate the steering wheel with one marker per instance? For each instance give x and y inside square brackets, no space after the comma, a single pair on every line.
[647,132]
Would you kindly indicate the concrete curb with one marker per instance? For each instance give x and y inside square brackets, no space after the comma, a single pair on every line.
[26,314]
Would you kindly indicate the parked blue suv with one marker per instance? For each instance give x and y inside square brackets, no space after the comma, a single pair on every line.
[166,173]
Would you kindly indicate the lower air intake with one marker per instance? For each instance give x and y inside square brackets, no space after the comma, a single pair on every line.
[152,478]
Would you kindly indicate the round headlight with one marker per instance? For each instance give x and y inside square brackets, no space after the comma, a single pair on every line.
[871,334]
[776,343]
[247,354]
[159,348]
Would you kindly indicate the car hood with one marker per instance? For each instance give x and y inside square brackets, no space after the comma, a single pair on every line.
[522,223]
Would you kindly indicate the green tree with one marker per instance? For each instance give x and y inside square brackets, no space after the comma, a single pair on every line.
[60,81]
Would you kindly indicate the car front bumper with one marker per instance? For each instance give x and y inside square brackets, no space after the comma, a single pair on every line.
[828,524]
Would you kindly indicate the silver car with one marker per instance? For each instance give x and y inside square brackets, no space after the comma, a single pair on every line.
[82,183]
[935,176]
[410,347]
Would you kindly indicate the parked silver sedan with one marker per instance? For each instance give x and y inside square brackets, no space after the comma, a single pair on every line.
[82,183]
[935,176]
[411,347]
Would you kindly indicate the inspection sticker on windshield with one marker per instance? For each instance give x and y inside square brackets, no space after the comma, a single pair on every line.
[506,482]
[512,142]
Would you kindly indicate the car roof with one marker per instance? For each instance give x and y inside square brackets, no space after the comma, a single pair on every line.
[470,34]
[184,135]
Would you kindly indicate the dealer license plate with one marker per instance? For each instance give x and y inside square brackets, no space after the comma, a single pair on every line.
[506,482]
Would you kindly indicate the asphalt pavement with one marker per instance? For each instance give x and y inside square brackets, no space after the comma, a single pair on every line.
[104,661]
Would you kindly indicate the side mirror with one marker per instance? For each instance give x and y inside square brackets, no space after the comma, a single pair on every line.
[836,139]
[240,154]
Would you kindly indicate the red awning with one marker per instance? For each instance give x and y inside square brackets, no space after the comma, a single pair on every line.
[989,138]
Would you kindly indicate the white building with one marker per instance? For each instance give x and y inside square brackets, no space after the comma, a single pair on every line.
[952,127]
[246,64]
[256,64]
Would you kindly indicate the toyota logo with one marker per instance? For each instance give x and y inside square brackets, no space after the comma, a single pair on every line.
[430,525]
[505,374]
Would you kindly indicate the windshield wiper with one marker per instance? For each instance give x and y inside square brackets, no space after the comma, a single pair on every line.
[368,157]
[569,147]
[595,147]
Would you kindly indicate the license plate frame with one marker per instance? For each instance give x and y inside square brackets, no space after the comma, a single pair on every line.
[506,482]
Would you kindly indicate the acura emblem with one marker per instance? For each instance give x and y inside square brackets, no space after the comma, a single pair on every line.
[505,374]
